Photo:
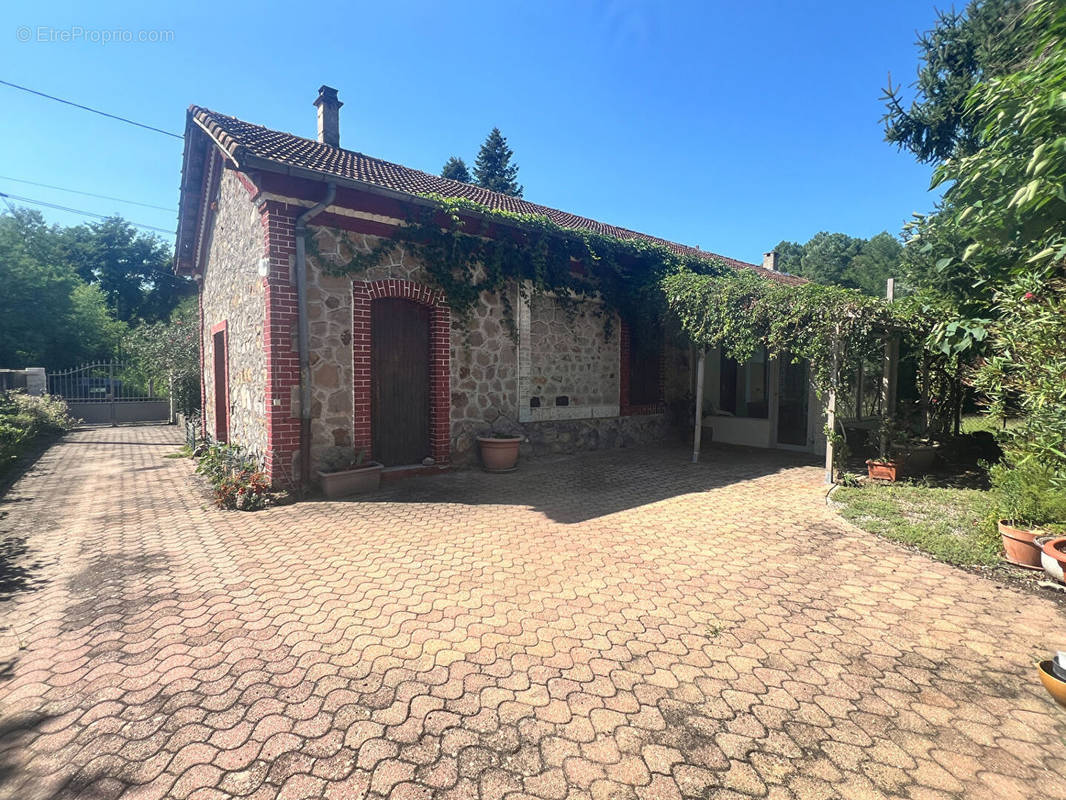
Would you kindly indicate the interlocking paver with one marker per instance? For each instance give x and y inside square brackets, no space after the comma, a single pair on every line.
[612,625]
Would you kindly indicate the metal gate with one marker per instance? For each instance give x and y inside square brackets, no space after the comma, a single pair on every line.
[110,392]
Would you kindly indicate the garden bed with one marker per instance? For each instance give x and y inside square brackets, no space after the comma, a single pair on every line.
[949,524]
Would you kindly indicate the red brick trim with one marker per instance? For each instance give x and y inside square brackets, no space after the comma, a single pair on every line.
[627,409]
[246,182]
[279,342]
[363,294]
[223,328]
[203,381]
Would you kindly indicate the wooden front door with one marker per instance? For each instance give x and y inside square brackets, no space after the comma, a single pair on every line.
[221,387]
[399,381]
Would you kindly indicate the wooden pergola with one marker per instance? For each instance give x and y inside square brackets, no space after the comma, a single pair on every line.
[889,385]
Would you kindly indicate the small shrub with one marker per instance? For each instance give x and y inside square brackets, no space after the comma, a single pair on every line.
[244,491]
[1027,493]
[24,417]
[235,476]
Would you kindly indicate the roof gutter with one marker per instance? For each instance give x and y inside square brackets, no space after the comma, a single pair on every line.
[303,334]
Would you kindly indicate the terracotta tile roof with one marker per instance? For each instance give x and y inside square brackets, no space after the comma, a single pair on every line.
[241,139]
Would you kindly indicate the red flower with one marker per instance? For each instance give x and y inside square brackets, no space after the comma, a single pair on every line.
[1029,297]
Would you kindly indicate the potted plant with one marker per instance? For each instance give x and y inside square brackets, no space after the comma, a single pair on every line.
[888,466]
[1026,499]
[499,451]
[343,471]
[1053,556]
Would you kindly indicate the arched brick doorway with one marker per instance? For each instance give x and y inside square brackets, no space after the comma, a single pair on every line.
[364,295]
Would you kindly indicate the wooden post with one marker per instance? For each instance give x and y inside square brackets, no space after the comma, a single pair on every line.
[859,378]
[925,392]
[698,434]
[831,409]
[890,374]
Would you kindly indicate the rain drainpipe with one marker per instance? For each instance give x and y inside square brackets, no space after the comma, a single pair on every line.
[303,333]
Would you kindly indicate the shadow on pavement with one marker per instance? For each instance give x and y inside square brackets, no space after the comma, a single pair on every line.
[575,488]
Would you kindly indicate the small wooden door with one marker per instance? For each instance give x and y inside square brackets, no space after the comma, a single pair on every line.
[399,381]
[221,387]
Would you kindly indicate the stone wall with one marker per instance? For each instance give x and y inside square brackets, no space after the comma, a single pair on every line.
[604,433]
[233,292]
[564,354]
[573,364]
[329,312]
[484,377]
[483,374]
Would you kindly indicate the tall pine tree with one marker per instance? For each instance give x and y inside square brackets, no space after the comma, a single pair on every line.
[456,169]
[493,169]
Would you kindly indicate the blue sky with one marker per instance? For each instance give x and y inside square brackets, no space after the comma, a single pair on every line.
[721,124]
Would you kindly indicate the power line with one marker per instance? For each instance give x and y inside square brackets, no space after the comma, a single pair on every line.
[7,197]
[93,110]
[87,194]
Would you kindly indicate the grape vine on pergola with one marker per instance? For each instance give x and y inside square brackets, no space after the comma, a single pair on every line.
[834,329]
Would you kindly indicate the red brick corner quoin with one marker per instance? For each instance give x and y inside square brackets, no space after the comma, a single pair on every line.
[283,362]
[363,294]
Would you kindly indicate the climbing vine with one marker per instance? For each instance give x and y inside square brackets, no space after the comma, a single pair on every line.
[741,312]
[467,249]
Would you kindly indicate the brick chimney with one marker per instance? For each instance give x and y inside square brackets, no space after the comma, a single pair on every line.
[769,260]
[329,123]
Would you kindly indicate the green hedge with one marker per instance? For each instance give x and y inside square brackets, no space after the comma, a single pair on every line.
[23,418]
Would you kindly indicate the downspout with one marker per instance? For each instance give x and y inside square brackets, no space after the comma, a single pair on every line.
[303,332]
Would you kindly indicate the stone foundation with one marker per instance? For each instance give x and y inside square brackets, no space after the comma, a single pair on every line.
[608,433]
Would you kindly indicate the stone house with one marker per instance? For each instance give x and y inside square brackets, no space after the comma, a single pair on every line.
[385,370]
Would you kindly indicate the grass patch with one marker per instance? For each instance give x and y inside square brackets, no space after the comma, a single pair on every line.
[972,423]
[952,525]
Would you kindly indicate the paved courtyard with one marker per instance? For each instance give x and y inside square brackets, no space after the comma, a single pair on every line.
[619,624]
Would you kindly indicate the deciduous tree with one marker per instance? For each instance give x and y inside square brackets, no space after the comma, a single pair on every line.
[132,268]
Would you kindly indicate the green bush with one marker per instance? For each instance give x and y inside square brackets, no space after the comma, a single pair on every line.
[1027,493]
[24,417]
[235,476]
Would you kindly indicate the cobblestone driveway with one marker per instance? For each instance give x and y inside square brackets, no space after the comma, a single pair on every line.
[611,625]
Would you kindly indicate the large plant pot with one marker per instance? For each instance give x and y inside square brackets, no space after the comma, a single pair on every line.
[1019,545]
[1056,688]
[351,481]
[884,470]
[499,455]
[1053,556]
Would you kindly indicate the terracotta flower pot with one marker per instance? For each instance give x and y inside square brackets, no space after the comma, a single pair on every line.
[1019,544]
[499,455]
[884,470]
[1055,687]
[1053,556]
[351,481]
